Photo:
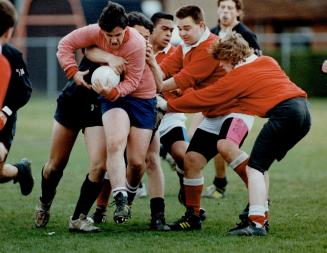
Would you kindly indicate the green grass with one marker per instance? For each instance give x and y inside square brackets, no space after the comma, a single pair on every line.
[298,194]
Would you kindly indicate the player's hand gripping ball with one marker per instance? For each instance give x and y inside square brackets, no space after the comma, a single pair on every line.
[105,76]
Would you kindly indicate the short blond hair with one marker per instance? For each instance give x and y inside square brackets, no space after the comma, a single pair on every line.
[233,48]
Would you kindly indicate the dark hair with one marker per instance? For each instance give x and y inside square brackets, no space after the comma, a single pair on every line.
[8,16]
[161,15]
[193,11]
[138,18]
[112,16]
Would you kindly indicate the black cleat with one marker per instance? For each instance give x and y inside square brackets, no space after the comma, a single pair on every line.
[202,214]
[189,221]
[24,177]
[123,210]
[248,230]
[245,219]
[99,216]
[158,223]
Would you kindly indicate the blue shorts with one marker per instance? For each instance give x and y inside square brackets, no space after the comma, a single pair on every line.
[141,112]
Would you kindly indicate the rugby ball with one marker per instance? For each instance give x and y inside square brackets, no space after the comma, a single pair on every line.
[106,76]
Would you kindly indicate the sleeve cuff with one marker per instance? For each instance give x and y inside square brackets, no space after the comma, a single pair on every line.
[112,95]
[70,72]
[7,111]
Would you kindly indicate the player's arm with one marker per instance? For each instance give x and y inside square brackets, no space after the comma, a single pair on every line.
[324,66]
[199,69]
[156,70]
[20,85]
[218,94]
[169,84]
[80,38]
[98,55]
[172,64]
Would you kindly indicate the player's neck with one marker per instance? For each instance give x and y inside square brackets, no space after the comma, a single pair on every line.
[229,28]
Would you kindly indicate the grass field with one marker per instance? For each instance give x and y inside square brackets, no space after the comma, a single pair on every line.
[298,207]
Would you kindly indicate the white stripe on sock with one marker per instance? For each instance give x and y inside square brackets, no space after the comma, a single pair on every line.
[238,160]
[193,182]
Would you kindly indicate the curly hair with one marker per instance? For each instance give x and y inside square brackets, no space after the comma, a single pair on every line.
[232,48]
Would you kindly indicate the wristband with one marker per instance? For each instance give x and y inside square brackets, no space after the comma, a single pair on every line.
[6,110]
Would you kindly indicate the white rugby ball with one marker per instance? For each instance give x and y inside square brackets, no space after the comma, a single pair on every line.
[106,76]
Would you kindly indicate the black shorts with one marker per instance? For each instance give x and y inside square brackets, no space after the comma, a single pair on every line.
[77,106]
[79,111]
[288,123]
[205,143]
[173,135]
[8,132]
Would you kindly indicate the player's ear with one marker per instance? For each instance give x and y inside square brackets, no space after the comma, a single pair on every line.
[202,24]
[7,34]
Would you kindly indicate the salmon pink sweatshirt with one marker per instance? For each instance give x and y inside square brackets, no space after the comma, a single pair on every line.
[138,80]
[252,88]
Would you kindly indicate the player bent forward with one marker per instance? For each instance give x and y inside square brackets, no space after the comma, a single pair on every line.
[257,86]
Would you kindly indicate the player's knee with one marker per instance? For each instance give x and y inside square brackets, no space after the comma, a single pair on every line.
[194,161]
[152,162]
[227,149]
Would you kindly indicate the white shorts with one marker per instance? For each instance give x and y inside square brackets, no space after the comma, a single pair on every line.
[170,121]
[213,125]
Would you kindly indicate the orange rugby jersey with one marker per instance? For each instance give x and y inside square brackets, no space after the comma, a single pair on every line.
[253,88]
[197,68]
[5,73]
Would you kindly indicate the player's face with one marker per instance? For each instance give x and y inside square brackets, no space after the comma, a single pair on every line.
[162,33]
[143,31]
[115,37]
[226,65]
[227,13]
[189,31]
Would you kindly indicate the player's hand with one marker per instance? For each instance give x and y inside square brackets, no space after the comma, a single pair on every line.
[3,120]
[324,67]
[79,79]
[117,63]
[150,59]
[100,89]
[161,104]
[3,152]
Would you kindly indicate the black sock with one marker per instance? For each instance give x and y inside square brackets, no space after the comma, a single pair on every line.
[157,206]
[220,182]
[88,195]
[49,186]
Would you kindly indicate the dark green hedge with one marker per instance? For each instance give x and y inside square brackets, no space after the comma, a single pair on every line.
[305,71]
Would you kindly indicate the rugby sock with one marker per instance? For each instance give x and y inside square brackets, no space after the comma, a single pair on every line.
[131,192]
[239,166]
[220,183]
[49,186]
[89,192]
[193,189]
[117,190]
[257,215]
[103,198]
[157,206]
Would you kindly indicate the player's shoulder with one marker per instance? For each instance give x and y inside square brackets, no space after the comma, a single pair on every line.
[243,29]
[9,51]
